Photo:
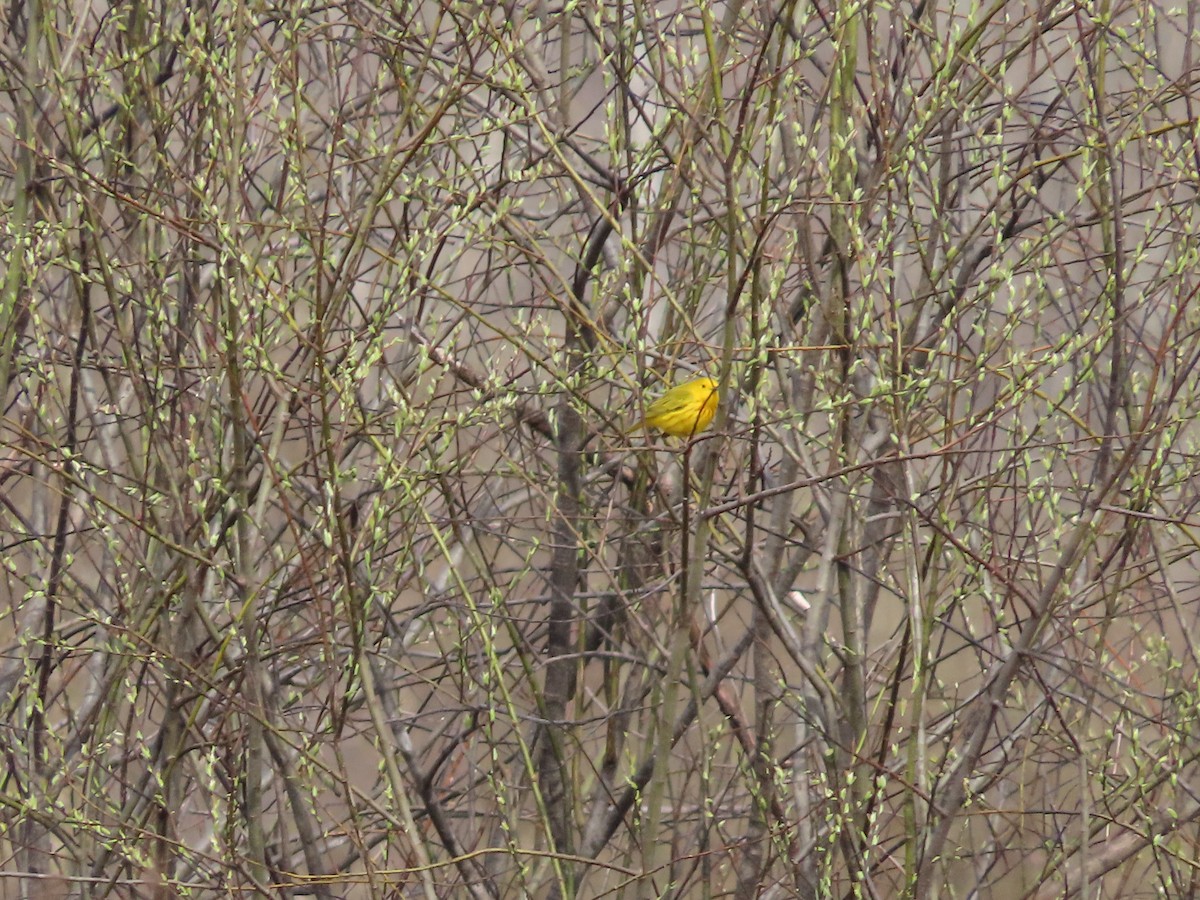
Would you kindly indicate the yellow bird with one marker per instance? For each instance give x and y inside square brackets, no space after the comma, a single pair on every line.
[685,410]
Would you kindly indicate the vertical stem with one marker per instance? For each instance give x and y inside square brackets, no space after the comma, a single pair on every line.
[843,176]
